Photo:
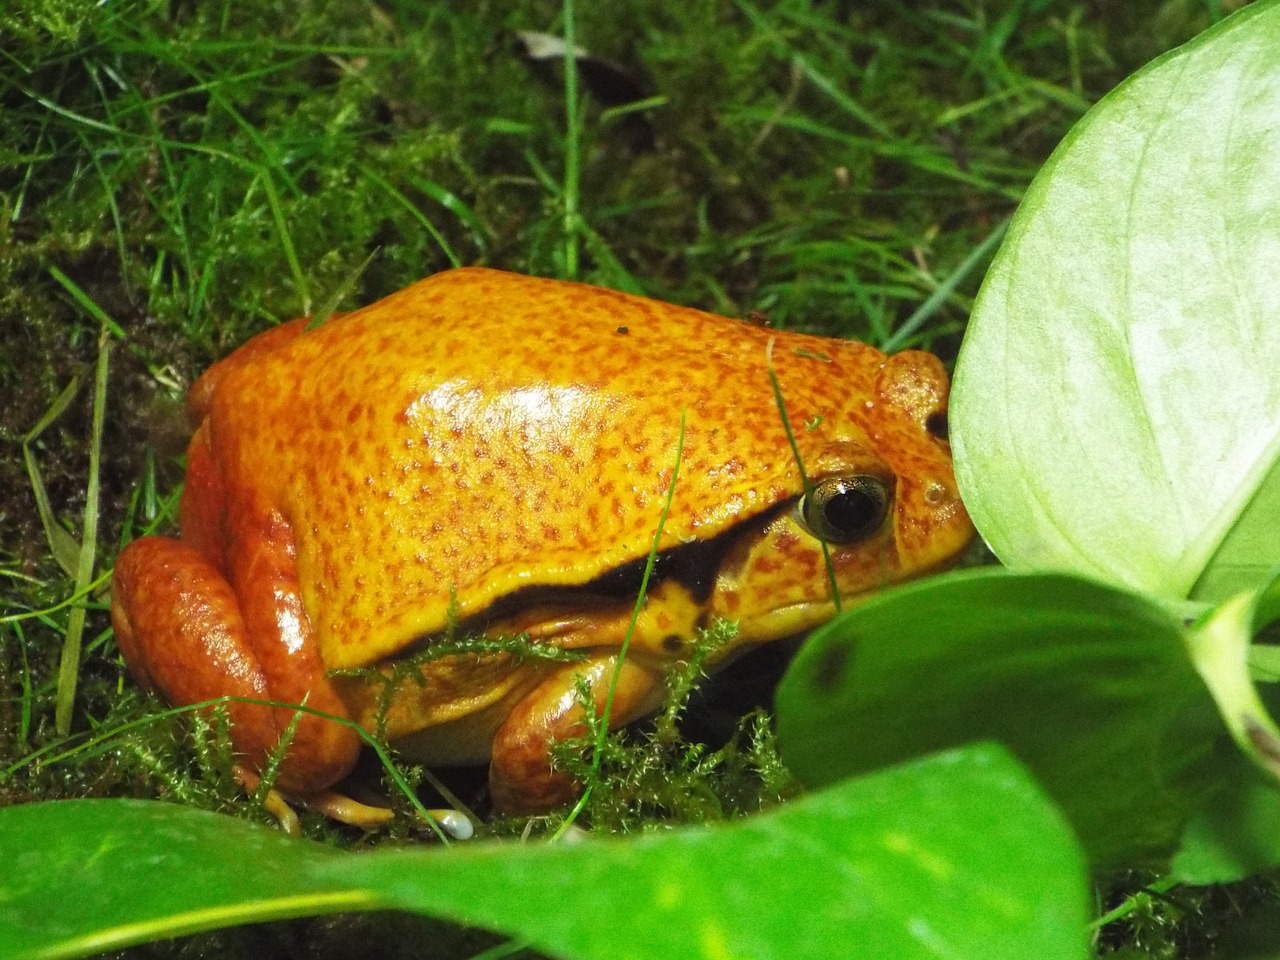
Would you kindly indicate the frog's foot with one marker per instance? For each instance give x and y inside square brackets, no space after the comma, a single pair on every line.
[521,778]
[344,809]
[338,806]
[332,804]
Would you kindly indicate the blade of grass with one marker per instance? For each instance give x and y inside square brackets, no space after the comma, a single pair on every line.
[571,134]
[898,339]
[348,284]
[69,667]
[61,111]
[86,302]
[26,697]
[413,210]
[820,80]
[286,241]
[62,545]
[42,615]
[635,106]
[923,159]
[108,194]
[804,477]
[20,196]
[449,200]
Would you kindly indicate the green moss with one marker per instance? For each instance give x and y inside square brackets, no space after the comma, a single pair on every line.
[654,774]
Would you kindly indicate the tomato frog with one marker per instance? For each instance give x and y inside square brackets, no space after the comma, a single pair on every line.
[493,452]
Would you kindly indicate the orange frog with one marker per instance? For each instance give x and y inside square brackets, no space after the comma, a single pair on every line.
[494,451]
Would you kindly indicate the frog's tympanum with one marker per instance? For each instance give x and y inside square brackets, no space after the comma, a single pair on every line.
[494,452]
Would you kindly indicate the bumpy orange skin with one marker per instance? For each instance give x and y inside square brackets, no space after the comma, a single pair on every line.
[479,434]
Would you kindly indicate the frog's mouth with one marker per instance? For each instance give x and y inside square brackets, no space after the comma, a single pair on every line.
[696,567]
[598,612]
[691,585]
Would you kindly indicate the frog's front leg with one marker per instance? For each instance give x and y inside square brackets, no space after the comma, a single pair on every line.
[521,778]
[183,632]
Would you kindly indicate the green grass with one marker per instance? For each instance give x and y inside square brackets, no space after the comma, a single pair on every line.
[183,175]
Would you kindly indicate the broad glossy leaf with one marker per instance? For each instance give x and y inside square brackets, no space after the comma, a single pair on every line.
[1116,404]
[1236,834]
[1090,686]
[957,855]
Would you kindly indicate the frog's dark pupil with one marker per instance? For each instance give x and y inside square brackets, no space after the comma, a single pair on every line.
[845,509]
[936,424]
[851,510]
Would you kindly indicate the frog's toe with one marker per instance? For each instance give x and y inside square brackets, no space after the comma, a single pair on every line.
[274,801]
[338,806]
[344,809]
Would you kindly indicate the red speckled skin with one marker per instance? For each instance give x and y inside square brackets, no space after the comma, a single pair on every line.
[479,433]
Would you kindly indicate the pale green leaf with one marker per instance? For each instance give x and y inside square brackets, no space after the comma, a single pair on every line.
[1116,405]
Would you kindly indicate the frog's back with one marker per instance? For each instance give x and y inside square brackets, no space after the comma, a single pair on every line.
[482,431]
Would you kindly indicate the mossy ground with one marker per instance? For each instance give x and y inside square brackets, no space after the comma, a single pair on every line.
[197,172]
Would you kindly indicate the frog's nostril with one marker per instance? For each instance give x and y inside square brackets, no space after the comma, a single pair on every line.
[936,424]
[935,493]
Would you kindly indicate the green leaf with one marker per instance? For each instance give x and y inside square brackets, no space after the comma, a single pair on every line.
[1238,833]
[1116,405]
[1090,686]
[1248,552]
[957,855]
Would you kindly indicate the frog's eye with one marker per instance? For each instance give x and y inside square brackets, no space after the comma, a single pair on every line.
[844,509]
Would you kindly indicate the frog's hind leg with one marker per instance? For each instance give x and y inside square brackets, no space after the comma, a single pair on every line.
[521,778]
[179,625]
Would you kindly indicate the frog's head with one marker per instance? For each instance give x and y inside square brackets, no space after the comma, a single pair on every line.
[747,541]
[881,499]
